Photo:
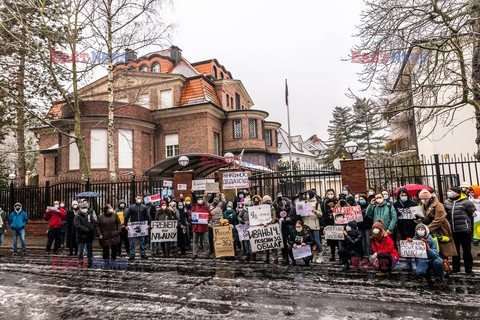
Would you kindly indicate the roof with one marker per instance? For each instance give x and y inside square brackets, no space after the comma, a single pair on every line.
[198,90]
[283,144]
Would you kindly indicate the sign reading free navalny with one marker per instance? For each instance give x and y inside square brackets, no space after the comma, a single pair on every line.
[266,238]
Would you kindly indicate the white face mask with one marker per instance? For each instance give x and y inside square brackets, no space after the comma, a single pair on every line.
[330,196]
[75,206]
[376,231]
[110,210]
[308,197]
[62,206]
[385,197]
[371,193]
[404,199]
[164,207]
[200,202]
[56,206]
[84,210]
[299,229]
[187,203]
[139,201]
[356,200]
[345,192]
[423,201]
[379,201]
[348,228]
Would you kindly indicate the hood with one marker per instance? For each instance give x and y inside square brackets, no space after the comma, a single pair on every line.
[230,204]
[257,197]
[403,190]
[267,198]
[122,201]
[352,224]
[18,204]
[421,225]
[311,194]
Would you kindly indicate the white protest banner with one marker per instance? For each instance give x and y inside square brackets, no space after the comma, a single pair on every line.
[52,208]
[167,183]
[304,208]
[181,186]
[223,241]
[153,198]
[258,215]
[235,180]
[266,238]
[199,218]
[201,184]
[405,214]
[301,252]
[414,249]
[164,231]
[212,187]
[345,214]
[334,233]
[137,229]
[242,230]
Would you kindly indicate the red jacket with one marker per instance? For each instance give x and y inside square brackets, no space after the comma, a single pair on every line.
[385,246]
[55,218]
[200,227]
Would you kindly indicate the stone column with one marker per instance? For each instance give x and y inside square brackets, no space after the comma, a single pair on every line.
[182,177]
[354,175]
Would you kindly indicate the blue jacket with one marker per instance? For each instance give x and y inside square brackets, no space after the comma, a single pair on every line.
[432,253]
[18,221]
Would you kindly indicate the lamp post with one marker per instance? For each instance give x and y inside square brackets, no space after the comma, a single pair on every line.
[12,177]
[229,158]
[183,161]
[351,147]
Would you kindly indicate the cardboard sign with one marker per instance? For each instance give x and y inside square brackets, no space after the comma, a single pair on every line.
[168,183]
[405,214]
[200,185]
[334,233]
[223,241]
[212,187]
[259,215]
[152,199]
[266,238]
[417,211]
[235,180]
[199,218]
[181,186]
[164,231]
[345,214]
[414,249]
[476,226]
[137,229]
[242,230]
[304,208]
[301,252]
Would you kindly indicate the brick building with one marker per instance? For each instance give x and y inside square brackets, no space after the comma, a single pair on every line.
[164,107]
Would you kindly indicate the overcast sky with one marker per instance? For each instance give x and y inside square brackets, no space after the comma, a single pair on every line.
[262,43]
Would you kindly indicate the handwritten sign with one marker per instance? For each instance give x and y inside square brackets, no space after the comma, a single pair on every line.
[199,218]
[181,186]
[334,233]
[304,208]
[345,214]
[258,215]
[167,183]
[301,252]
[164,231]
[223,241]
[414,249]
[242,230]
[476,226]
[212,187]
[266,238]
[235,180]
[137,229]
[201,184]
[405,214]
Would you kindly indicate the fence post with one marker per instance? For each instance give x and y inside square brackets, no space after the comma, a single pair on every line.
[12,197]
[132,190]
[87,185]
[439,178]
[47,193]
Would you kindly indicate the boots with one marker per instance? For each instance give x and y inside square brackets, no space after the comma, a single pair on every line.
[249,256]
[254,257]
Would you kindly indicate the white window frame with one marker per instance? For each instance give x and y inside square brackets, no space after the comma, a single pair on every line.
[163,101]
[125,149]
[73,154]
[144,100]
[153,67]
[98,149]
[237,121]
[171,145]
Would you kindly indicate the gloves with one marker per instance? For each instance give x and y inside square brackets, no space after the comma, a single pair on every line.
[409,239]
[373,257]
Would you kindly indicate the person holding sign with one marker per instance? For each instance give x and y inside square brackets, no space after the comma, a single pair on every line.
[406,224]
[433,262]
[163,213]
[268,200]
[199,217]
[384,255]
[137,212]
[352,247]
[313,222]
[300,236]
[55,216]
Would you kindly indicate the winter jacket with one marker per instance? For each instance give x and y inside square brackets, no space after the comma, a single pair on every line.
[242,215]
[406,227]
[231,216]
[121,212]
[313,220]
[162,214]
[55,218]
[109,227]
[273,214]
[460,213]
[297,238]
[285,205]
[137,212]
[385,245]
[353,241]
[182,217]
[17,220]
[200,209]
[327,206]
[438,223]
[84,227]
[4,221]
[367,222]
[217,215]
[432,252]
[384,212]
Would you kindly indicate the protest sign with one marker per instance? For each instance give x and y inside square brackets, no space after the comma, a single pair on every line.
[137,229]
[223,241]
[405,214]
[414,249]
[345,214]
[301,252]
[417,212]
[199,218]
[266,238]
[235,180]
[304,208]
[201,184]
[164,231]
[476,226]
[334,233]
[258,215]
[242,230]
[181,186]
[212,187]
[167,183]
[153,198]
[51,208]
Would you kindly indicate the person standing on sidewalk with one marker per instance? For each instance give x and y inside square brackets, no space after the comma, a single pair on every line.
[274,252]
[18,220]
[200,231]
[137,212]
[120,211]
[3,225]
[55,216]
[108,229]
[71,236]
[85,231]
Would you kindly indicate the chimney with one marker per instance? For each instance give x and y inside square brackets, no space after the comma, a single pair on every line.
[130,55]
[175,54]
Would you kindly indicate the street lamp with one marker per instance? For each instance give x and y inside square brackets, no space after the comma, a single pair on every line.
[183,161]
[229,158]
[351,147]
[12,177]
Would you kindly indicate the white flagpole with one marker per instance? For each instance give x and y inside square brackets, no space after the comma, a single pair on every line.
[288,117]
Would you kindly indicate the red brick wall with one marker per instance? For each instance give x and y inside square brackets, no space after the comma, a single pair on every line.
[182,177]
[246,141]
[354,175]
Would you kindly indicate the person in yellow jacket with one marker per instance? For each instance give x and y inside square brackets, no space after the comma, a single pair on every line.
[120,211]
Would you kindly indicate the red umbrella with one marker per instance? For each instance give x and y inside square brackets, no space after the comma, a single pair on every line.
[412,189]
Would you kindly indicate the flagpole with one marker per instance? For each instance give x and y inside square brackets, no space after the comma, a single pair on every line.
[288,117]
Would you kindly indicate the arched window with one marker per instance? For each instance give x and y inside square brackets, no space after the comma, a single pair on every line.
[221,75]
[131,69]
[214,71]
[156,67]
[144,68]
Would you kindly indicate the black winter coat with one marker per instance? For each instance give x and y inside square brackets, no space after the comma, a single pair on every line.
[327,206]
[367,222]
[460,214]
[84,227]
[299,237]
[137,212]
[353,242]
[406,227]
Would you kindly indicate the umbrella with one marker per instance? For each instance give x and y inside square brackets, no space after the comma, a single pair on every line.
[88,194]
[412,189]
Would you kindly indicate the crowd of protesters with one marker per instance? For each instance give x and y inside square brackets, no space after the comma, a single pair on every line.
[445,228]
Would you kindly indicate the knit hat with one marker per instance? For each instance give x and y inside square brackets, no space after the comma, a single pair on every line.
[421,225]
[83,206]
[173,203]
[476,189]
[74,202]
[352,224]
[266,198]
[230,204]
[163,202]
[464,184]
[456,189]
[188,199]
[378,225]
[424,194]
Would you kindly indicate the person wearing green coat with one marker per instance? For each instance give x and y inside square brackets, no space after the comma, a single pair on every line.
[3,225]
[380,209]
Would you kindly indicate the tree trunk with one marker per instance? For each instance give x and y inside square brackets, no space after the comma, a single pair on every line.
[476,71]
[111,111]
[20,124]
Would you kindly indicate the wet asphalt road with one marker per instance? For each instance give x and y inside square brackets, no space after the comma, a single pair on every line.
[180,288]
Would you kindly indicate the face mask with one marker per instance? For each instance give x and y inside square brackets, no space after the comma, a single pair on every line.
[330,196]
[379,201]
[62,206]
[241,196]
[421,234]
[122,206]
[299,229]
[464,189]
[279,195]
[200,202]
[229,208]
[385,197]
[110,210]
[423,201]
[345,192]
[164,207]
[362,202]
[180,207]
[139,201]
[450,194]
[56,206]
[308,197]
[84,210]
[433,195]
[404,199]
[371,193]
[187,203]
[376,231]
[356,200]
[348,228]
[75,207]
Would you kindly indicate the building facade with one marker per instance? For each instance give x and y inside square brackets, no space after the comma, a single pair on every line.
[307,153]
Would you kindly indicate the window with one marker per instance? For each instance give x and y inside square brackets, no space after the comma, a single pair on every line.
[237,101]
[98,149]
[268,138]
[166,98]
[237,129]
[171,145]
[144,68]
[216,143]
[144,100]
[214,71]
[156,67]
[57,165]
[221,75]
[228,100]
[74,155]
[125,148]
[252,128]
[231,102]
